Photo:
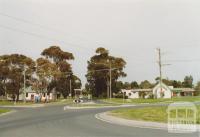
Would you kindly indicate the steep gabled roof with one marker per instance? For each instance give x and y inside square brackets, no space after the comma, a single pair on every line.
[161,85]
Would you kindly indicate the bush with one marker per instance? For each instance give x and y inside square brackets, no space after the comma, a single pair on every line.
[151,96]
[120,95]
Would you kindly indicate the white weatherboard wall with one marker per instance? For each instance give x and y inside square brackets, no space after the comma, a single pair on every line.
[28,98]
[162,91]
[134,95]
[130,93]
[43,96]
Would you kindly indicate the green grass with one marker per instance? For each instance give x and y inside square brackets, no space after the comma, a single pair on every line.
[4,111]
[154,114]
[144,114]
[21,103]
[5,103]
[139,101]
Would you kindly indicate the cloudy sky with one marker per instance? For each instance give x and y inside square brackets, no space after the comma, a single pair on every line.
[131,29]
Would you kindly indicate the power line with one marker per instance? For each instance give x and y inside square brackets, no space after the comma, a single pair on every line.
[38,25]
[22,20]
[99,70]
[40,36]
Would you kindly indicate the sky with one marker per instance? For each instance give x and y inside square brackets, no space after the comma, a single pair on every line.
[131,29]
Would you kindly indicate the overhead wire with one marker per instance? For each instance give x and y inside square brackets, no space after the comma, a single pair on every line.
[41,26]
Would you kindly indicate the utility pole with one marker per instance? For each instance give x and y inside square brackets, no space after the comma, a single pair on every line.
[123,96]
[160,65]
[108,88]
[69,74]
[110,80]
[70,87]
[24,84]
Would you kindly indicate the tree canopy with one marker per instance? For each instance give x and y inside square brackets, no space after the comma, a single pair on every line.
[12,70]
[56,54]
[57,68]
[51,71]
[98,71]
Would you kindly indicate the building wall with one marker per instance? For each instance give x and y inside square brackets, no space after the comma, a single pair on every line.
[134,95]
[131,94]
[166,92]
[28,96]
[43,96]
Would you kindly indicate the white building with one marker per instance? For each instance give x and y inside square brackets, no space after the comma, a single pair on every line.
[159,91]
[162,91]
[136,93]
[130,94]
[31,95]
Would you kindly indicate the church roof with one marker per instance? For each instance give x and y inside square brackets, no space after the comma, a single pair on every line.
[161,85]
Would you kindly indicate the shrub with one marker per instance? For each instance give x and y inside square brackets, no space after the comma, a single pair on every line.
[120,95]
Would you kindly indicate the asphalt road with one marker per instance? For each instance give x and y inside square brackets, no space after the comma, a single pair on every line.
[53,121]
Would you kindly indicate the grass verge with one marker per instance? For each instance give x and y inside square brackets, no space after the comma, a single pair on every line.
[139,101]
[21,103]
[4,111]
[153,114]
[10,103]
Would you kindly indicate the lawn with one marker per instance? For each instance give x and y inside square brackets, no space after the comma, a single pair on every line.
[4,111]
[138,101]
[154,114]
[21,103]
[5,103]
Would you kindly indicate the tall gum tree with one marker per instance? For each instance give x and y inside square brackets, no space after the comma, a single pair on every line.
[63,74]
[12,70]
[98,72]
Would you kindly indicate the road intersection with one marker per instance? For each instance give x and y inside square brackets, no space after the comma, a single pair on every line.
[54,121]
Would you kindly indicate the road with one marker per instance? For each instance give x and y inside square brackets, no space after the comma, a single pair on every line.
[53,121]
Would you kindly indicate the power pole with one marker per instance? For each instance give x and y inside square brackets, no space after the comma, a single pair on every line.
[69,74]
[70,87]
[110,81]
[24,85]
[160,65]
[108,88]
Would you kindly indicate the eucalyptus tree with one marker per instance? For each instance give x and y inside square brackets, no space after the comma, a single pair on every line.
[146,84]
[45,72]
[134,85]
[61,73]
[13,68]
[99,67]
[188,82]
